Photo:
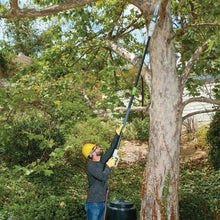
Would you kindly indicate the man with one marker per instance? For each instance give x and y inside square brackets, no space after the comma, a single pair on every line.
[98,171]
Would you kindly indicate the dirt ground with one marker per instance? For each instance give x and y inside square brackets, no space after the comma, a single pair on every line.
[132,151]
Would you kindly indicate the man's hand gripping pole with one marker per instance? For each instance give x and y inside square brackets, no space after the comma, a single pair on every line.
[115,156]
[119,132]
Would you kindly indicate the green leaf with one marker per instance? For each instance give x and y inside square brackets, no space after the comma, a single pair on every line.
[48,172]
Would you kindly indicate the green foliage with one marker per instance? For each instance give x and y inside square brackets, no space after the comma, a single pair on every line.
[192,29]
[201,137]
[94,130]
[213,137]
[3,61]
[83,52]
[30,37]
[126,183]
[38,197]
[199,191]
[28,139]
[64,192]
[53,93]
[137,129]
[36,112]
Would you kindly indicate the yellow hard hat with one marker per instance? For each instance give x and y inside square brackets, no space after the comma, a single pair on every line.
[87,148]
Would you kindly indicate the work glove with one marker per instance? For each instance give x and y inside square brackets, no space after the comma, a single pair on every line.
[118,130]
[111,162]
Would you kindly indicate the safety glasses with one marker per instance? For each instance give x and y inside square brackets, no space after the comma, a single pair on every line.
[92,151]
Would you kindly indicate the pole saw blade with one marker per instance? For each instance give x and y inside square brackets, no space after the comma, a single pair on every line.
[153,21]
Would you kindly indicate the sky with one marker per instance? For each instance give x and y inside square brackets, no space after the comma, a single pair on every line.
[3,1]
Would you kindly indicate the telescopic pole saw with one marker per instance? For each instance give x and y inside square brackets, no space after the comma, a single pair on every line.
[150,33]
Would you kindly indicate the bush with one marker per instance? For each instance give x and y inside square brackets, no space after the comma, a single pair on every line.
[60,196]
[126,183]
[28,139]
[213,137]
[201,134]
[193,206]
[63,194]
[94,130]
[138,129]
[199,191]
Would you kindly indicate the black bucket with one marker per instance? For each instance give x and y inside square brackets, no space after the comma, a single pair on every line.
[121,210]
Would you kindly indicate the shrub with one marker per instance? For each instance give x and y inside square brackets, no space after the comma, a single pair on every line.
[199,191]
[138,129]
[94,130]
[63,194]
[28,139]
[213,137]
[60,196]
[126,183]
[201,137]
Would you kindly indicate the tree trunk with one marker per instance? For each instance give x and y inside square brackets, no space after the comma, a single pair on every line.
[160,186]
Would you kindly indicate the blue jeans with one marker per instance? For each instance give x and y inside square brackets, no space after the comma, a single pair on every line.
[95,211]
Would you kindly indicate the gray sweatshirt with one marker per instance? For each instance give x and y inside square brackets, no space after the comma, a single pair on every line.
[98,173]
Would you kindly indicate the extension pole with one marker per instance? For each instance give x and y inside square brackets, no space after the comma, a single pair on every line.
[151,30]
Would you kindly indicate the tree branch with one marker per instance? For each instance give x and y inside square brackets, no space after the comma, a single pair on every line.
[127,29]
[133,59]
[190,63]
[201,24]
[37,105]
[15,11]
[199,112]
[88,100]
[137,3]
[180,31]
[117,109]
[201,99]
[121,51]
[116,18]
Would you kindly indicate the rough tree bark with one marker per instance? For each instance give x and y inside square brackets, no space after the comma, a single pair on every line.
[160,187]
